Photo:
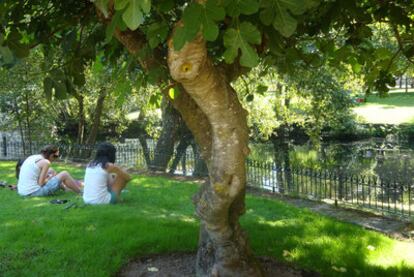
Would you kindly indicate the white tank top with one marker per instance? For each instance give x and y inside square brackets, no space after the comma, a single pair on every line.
[29,175]
[96,183]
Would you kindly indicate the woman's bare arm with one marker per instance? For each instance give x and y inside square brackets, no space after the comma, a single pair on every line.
[111,168]
[44,167]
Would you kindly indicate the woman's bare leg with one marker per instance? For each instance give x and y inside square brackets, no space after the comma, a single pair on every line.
[68,181]
[118,185]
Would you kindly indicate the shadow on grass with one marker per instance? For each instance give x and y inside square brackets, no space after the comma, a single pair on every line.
[157,216]
[318,243]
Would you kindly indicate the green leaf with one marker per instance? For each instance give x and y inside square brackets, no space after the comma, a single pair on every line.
[250,98]
[110,29]
[155,100]
[261,89]
[267,16]
[180,37]
[212,12]
[249,57]
[192,18]
[121,4]
[236,7]
[133,16]
[157,33]
[173,93]
[284,23]
[145,5]
[241,39]
[231,37]
[356,67]
[210,30]
[280,13]
[250,33]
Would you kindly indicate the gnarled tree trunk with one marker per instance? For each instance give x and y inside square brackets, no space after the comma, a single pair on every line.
[211,110]
[223,247]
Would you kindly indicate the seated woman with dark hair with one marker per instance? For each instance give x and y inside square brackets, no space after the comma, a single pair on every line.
[100,186]
[36,178]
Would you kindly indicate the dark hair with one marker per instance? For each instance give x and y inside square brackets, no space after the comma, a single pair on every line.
[18,166]
[49,150]
[105,153]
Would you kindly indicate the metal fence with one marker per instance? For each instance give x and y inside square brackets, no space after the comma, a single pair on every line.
[388,196]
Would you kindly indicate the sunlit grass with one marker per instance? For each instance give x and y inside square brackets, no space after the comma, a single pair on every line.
[157,216]
[397,108]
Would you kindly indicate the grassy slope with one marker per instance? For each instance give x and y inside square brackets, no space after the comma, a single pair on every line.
[37,238]
[397,108]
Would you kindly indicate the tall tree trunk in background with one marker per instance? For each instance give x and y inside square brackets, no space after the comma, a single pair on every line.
[96,119]
[28,123]
[142,137]
[281,146]
[145,149]
[180,151]
[164,148]
[20,123]
[223,247]
[81,115]
[200,166]
[185,138]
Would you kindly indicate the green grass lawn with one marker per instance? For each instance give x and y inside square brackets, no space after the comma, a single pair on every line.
[156,216]
[397,108]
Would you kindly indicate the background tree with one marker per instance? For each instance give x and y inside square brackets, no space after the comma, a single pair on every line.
[22,102]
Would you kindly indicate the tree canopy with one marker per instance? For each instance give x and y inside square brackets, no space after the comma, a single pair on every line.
[280,33]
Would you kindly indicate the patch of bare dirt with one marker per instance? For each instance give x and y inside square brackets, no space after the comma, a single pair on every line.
[183,265]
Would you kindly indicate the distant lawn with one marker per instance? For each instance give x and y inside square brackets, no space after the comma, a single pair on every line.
[41,239]
[397,108]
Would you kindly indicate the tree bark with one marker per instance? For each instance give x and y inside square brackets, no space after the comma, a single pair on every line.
[28,122]
[142,137]
[200,166]
[223,247]
[20,124]
[81,123]
[164,149]
[212,112]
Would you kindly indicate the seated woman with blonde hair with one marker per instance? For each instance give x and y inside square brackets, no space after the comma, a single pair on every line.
[100,187]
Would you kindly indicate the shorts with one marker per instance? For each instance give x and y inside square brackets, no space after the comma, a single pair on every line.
[113,197]
[49,188]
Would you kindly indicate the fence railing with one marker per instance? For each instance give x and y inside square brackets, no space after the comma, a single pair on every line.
[388,196]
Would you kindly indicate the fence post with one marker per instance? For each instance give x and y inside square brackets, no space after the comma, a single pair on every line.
[4,146]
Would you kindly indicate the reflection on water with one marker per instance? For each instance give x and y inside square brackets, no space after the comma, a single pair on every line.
[375,174]
[385,158]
